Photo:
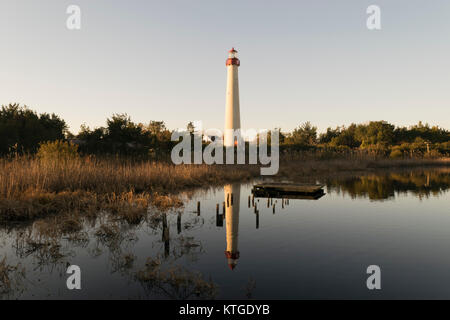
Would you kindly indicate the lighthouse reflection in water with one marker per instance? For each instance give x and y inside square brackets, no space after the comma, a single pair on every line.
[232,199]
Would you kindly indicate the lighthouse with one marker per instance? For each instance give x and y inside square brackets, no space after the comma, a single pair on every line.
[232,199]
[232,113]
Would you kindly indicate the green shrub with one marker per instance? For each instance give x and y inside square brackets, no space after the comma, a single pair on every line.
[396,154]
[57,150]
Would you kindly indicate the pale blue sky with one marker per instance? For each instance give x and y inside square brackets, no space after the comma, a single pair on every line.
[301,61]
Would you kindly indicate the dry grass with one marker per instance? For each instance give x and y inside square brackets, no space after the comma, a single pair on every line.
[107,176]
[31,188]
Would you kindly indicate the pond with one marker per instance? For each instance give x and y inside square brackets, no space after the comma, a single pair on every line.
[288,249]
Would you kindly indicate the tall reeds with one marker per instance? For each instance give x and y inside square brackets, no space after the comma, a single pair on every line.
[31,186]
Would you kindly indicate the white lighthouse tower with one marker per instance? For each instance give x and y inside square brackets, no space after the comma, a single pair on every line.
[232,113]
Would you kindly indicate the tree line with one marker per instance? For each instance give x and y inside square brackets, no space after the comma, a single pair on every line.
[376,137]
[23,130]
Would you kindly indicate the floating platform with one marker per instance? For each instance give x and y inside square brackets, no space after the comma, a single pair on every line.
[288,191]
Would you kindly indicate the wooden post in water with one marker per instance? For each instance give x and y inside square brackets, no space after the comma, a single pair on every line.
[273,208]
[217,208]
[219,220]
[268,202]
[282,203]
[231,199]
[223,208]
[228,200]
[165,235]
[198,207]
[253,200]
[257,220]
[179,223]
[249,201]
[256,208]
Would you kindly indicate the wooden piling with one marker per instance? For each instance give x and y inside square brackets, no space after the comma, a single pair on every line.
[223,208]
[219,220]
[257,220]
[249,201]
[198,207]
[231,199]
[217,208]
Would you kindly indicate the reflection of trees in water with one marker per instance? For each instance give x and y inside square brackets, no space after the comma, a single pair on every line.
[382,186]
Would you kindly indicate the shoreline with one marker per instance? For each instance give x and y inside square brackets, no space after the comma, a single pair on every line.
[322,169]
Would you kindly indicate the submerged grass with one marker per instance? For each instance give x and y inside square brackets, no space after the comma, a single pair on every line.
[11,277]
[175,282]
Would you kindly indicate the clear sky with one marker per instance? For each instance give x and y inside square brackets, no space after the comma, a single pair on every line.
[310,60]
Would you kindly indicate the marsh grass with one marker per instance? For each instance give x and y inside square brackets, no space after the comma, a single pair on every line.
[11,277]
[175,282]
[109,175]
[107,232]
[35,187]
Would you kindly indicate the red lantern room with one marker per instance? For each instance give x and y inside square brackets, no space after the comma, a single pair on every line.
[232,258]
[232,58]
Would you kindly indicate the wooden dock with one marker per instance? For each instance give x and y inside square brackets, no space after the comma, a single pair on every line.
[288,190]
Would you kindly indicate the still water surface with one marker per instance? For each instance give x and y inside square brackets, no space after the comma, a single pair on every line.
[306,249]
